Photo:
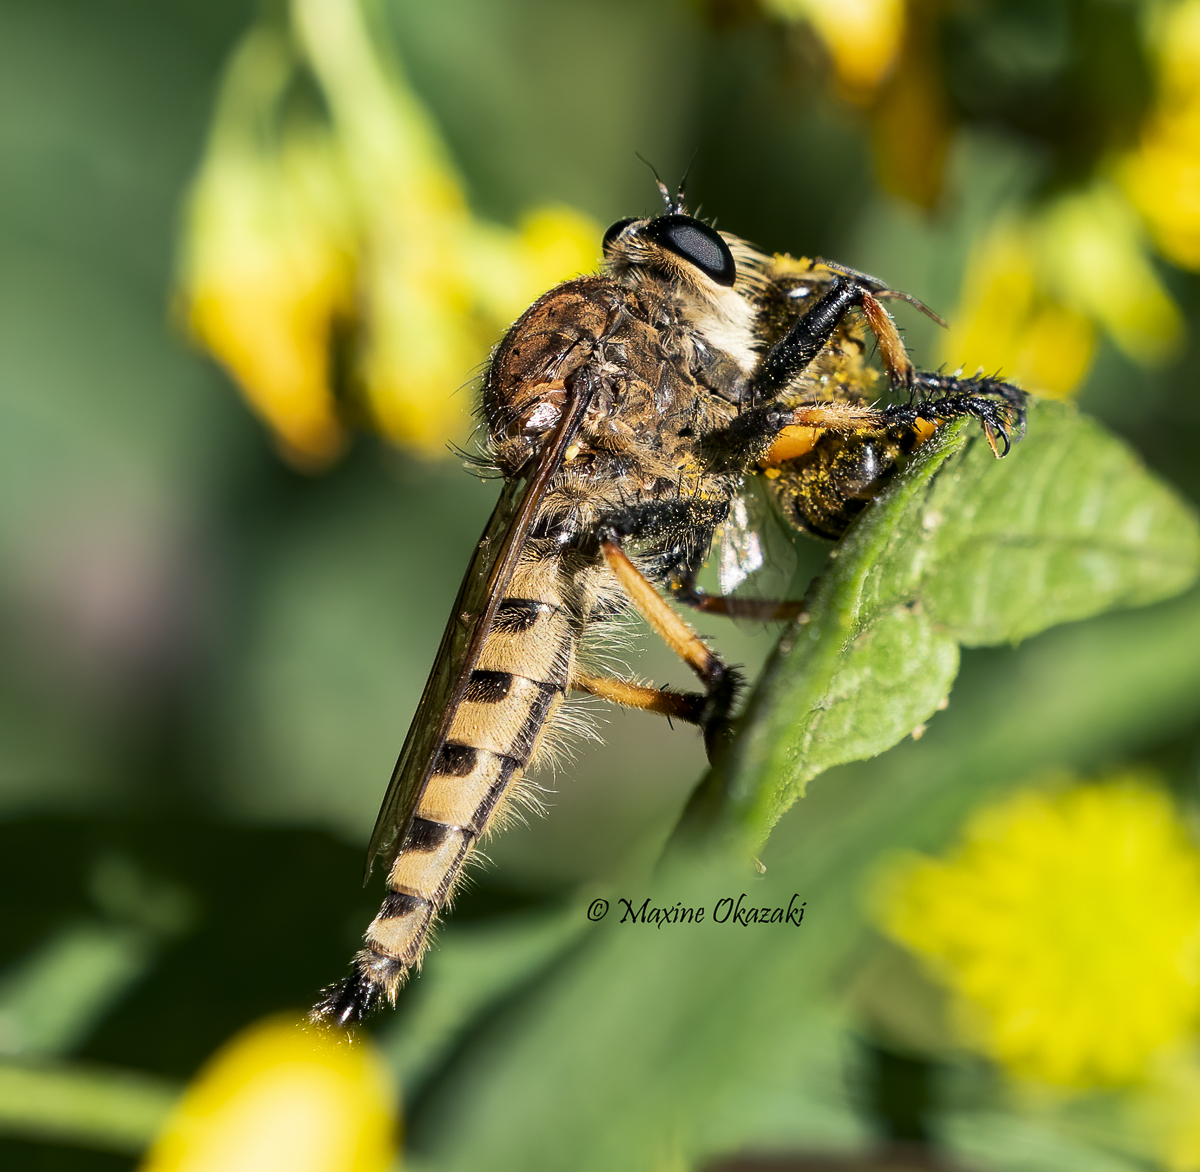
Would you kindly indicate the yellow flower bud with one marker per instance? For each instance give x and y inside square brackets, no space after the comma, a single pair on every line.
[1162,176]
[510,270]
[268,263]
[862,37]
[283,1096]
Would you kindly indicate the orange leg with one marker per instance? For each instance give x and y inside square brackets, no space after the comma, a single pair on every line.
[762,610]
[666,623]
[809,423]
[720,683]
[685,706]
[891,345]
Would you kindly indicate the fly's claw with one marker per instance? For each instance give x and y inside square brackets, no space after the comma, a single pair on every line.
[999,406]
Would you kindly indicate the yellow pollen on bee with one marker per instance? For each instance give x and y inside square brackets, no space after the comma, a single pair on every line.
[791,443]
[924,429]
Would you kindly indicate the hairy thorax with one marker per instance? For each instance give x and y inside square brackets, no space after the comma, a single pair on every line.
[656,387]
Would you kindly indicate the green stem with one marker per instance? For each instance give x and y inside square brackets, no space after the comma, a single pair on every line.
[117,1110]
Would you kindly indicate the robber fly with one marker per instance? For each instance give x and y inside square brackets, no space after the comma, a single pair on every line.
[626,412]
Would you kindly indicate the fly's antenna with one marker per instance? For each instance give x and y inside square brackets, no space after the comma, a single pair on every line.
[663,190]
[679,206]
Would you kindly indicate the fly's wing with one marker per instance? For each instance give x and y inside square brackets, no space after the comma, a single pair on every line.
[424,736]
[755,557]
[487,578]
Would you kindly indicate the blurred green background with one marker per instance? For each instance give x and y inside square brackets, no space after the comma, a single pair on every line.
[211,653]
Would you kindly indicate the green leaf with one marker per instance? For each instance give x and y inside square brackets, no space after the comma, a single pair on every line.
[54,997]
[1008,1141]
[960,550]
[723,1038]
[92,1106]
[473,967]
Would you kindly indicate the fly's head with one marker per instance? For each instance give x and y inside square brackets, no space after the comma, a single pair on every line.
[677,249]
[697,269]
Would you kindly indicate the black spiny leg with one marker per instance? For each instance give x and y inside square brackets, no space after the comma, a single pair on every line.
[933,383]
[999,406]
[793,353]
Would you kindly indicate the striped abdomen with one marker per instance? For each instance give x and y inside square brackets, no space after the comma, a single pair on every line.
[516,686]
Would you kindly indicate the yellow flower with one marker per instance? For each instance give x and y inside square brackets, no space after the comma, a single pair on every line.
[1037,287]
[356,219]
[1094,258]
[280,1095]
[268,268]
[1068,925]
[862,37]
[432,309]
[1162,176]
[1007,322]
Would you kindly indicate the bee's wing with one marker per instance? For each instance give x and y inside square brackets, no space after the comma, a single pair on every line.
[755,556]
[486,580]
[739,547]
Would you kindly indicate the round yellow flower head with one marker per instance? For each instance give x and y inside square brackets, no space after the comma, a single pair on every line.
[1068,924]
[281,1095]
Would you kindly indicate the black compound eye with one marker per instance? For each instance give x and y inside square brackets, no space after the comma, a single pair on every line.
[695,242]
[614,232]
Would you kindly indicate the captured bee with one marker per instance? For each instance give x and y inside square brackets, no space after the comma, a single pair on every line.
[627,413]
